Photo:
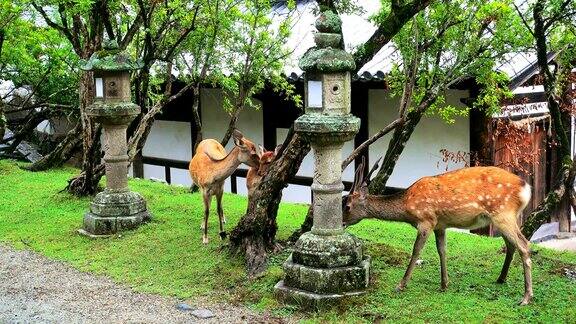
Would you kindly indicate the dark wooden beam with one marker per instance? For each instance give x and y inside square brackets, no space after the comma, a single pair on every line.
[167,175]
[269,109]
[360,102]
[233,184]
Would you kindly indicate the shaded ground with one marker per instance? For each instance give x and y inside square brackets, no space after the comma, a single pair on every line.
[35,289]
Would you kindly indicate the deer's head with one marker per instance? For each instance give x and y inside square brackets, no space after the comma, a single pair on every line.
[355,207]
[266,159]
[249,152]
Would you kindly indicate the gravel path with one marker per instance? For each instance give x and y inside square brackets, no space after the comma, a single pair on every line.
[36,289]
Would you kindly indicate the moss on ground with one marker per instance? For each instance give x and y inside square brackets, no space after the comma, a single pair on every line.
[167,257]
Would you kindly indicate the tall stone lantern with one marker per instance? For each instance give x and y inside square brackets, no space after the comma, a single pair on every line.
[116,208]
[327,263]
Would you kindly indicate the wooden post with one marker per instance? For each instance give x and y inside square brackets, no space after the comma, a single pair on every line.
[360,93]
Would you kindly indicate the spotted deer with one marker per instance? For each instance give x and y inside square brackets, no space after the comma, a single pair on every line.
[468,198]
[255,174]
[210,166]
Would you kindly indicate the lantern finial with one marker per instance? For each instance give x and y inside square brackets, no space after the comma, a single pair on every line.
[327,56]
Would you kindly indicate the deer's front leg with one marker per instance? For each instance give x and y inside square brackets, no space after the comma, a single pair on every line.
[420,241]
[440,236]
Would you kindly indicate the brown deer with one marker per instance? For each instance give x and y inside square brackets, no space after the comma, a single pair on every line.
[210,166]
[468,198]
[255,174]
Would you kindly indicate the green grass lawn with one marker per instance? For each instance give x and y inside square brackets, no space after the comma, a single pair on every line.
[167,257]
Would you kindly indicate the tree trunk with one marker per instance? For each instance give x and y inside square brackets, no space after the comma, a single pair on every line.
[2,36]
[541,214]
[196,117]
[85,183]
[254,236]
[2,119]
[62,153]
[198,136]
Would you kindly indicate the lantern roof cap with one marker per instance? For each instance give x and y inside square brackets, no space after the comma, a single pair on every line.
[328,55]
[111,58]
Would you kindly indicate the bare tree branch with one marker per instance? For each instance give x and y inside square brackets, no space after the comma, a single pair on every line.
[528,27]
[364,146]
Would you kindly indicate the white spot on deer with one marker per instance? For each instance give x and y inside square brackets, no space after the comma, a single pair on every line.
[489,179]
[499,185]
[508,184]
[480,198]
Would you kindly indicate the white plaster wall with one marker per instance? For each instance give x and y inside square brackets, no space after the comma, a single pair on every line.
[169,140]
[297,194]
[307,166]
[180,177]
[241,188]
[215,119]
[422,156]
[154,171]
[348,174]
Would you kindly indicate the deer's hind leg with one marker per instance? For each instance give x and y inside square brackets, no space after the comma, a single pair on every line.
[512,233]
[440,235]
[221,217]
[207,200]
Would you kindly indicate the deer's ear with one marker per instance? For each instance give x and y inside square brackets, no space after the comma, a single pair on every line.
[261,150]
[237,134]
[238,141]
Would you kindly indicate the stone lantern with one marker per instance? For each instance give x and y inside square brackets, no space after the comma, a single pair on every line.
[327,263]
[116,208]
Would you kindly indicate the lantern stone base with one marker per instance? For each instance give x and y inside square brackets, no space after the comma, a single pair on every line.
[114,211]
[324,269]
